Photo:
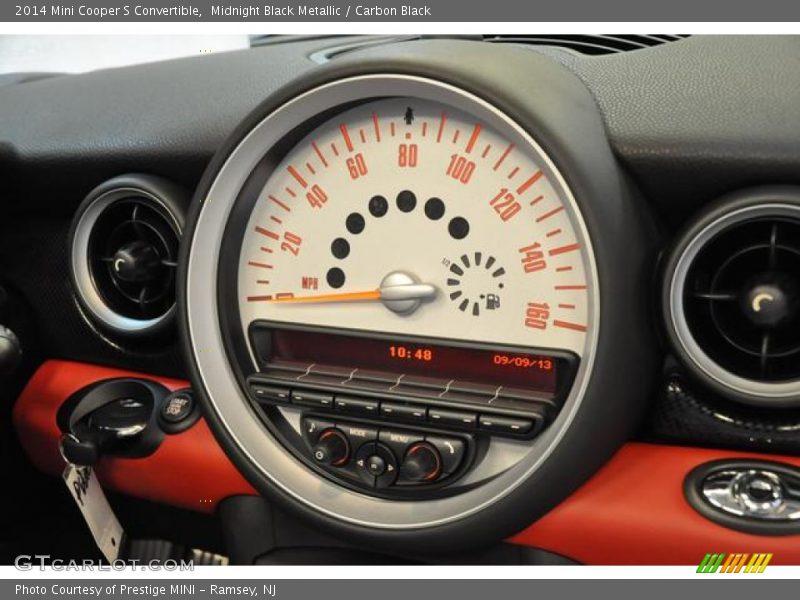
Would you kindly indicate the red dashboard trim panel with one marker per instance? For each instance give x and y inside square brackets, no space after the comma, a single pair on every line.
[631,512]
[189,470]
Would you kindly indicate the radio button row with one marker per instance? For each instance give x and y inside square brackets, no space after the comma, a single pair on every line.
[530,419]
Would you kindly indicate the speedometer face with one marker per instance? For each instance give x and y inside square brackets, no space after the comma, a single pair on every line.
[409,216]
[398,250]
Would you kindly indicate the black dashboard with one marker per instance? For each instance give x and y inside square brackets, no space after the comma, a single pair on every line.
[690,120]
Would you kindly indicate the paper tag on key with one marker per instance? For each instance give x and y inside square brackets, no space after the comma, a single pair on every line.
[85,489]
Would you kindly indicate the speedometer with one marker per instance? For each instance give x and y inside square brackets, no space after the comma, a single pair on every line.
[393,296]
[410,216]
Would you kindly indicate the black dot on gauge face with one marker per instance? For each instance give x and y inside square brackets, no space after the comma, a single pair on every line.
[378,206]
[335,277]
[340,248]
[355,223]
[458,228]
[434,209]
[406,201]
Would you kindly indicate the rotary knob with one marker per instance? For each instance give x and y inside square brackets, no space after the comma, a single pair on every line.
[422,462]
[332,448]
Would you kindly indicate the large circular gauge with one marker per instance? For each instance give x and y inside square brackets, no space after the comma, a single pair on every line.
[411,216]
[393,304]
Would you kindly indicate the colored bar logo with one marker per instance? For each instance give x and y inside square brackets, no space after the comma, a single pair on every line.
[734,563]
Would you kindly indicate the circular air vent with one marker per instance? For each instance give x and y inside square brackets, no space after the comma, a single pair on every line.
[732,297]
[124,248]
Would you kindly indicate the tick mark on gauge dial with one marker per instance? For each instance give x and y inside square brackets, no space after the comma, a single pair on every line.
[475,284]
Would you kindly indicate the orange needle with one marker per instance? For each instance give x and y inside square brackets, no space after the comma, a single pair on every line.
[343,297]
[399,292]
